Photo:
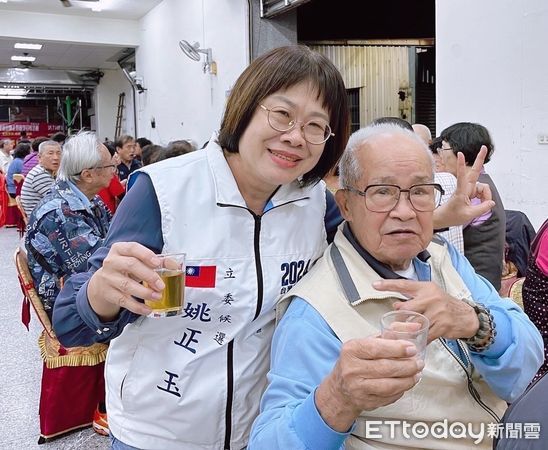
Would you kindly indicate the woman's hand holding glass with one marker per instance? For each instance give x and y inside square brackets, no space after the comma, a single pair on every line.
[120,279]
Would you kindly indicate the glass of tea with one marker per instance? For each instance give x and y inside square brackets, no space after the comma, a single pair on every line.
[172,272]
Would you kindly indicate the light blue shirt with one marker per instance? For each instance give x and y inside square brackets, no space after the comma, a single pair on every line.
[305,349]
[16,166]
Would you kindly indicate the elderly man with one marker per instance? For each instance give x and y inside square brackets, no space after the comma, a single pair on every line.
[334,381]
[70,222]
[125,146]
[41,177]
[6,146]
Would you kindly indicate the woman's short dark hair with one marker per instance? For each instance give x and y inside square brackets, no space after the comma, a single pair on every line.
[467,138]
[151,153]
[280,69]
[21,150]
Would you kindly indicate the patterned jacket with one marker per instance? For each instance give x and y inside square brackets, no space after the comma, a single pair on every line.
[63,231]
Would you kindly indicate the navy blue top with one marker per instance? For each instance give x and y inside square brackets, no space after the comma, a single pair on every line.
[124,171]
[74,322]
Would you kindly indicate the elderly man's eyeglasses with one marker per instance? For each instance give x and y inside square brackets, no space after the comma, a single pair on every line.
[314,131]
[111,166]
[384,197]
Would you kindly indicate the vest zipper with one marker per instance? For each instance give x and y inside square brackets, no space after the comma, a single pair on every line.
[230,348]
[256,248]
[229,393]
[471,388]
[464,350]
[258,264]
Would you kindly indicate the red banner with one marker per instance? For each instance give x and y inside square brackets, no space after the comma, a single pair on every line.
[12,130]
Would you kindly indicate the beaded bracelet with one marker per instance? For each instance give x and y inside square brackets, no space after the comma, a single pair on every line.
[485,336]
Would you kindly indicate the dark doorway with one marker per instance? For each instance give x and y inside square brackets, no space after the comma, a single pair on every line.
[425,88]
[394,22]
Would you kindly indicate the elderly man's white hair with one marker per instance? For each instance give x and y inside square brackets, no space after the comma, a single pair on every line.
[80,151]
[349,167]
[43,145]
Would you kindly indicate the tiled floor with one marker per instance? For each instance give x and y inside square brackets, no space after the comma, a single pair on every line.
[20,368]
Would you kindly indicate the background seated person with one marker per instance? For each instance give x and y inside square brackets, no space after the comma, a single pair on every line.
[330,376]
[484,236]
[535,289]
[41,177]
[70,222]
[125,147]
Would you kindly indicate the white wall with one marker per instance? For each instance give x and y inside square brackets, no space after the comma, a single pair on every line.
[491,69]
[185,102]
[106,105]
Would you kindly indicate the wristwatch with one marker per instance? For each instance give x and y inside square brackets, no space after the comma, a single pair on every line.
[486,333]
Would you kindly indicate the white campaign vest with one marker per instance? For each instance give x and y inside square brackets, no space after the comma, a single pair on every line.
[195,382]
[352,308]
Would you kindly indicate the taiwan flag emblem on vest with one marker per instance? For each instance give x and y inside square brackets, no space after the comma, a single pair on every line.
[200,276]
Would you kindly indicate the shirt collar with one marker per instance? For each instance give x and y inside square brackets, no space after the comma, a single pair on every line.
[80,195]
[382,269]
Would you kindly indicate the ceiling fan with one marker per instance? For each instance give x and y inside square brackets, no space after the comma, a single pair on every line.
[67,3]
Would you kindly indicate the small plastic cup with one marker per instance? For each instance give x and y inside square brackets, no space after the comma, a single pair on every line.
[408,326]
[172,272]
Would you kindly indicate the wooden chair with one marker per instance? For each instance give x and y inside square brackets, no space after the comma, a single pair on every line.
[72,378]
[21,210]
[18,178]
[516,290]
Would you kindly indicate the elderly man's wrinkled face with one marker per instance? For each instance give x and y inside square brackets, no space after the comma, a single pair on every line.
[50,158]
[397,236]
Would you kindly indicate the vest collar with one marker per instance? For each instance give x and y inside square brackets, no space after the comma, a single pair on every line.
[351,262]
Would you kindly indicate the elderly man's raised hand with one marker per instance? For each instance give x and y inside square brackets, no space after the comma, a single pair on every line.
[115,284]
[369,373]
[459,210]
[449,317]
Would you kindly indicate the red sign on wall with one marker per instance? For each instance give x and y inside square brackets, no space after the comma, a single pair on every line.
[12,130]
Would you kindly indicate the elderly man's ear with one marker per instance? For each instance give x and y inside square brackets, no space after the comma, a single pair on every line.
[342,197]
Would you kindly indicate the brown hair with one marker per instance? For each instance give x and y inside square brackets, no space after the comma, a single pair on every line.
[123,140]
[280,69]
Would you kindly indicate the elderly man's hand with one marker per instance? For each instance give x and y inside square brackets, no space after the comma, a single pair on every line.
[459,210]
[369,373]
[119,279]
[449,317]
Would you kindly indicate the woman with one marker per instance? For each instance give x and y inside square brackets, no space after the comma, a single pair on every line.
[252,216]
[484,236]
[13,215]
[535,289]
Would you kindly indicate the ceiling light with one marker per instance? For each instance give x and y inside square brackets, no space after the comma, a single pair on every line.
[23,58]
[13,91]
[3,1]
[28,46]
